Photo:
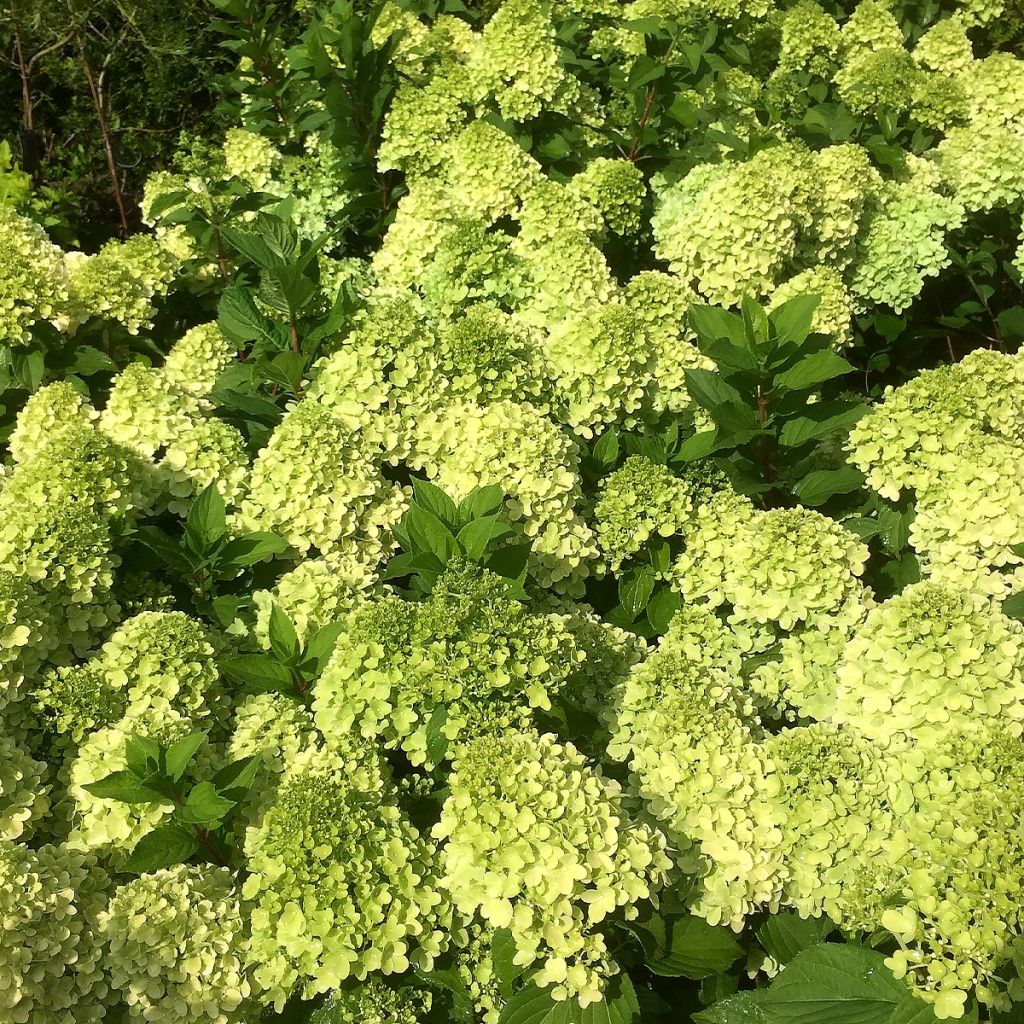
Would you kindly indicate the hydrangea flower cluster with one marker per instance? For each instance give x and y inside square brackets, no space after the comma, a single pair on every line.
[483,775]
[540,843]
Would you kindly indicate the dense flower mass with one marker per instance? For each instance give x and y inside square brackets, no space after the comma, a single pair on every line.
[533,529]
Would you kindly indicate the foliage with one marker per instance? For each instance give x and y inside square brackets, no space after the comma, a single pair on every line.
[532,531]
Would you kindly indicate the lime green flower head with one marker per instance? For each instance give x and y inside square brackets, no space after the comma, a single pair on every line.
[967,665]
[52,407]
[538,841]
[176,943]
[316,482]
[468,661]
[517,61]
[373,1001]
[810,40]
[638,501]
[33,279]
[689,736]
[121,281]
[197,359]
[785,566]
[24,791]
[339,882]
[49,955]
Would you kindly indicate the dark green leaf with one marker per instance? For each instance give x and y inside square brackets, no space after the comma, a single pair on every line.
[476,537]
[206,523]
[240,318]
[437,741]
[321,645]
[510,561]
[429,533]
[205,805]
[89,360]
[433,499]
[236,779]
[180,754]
[635,589]
[742,1008]
[258,672]
[699,446]
[253,247]
[662,607]
[284,641]
[711,323]
[480,502]
[249,549]
[503,950]
[162,848]
[1013,606]
[707,388]
[142,755]
[606,450]
[124,786]
[817,487]
[812,370]
[841,984]
[785,934]
[792,319]
[164,547]
[688,947]
[533,1005]
[819,420]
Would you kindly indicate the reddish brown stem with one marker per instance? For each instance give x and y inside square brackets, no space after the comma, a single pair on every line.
[642,124]
[108,144]
[28,116]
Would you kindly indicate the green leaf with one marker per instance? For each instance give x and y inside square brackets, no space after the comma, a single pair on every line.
[699,446]
[252,247]
[841,984]
[258,672]
[818,420]
[687,947]
[742,1008]
[755,323]
[89,360]
[321,646]
[476,537]
[437,741]
[635,589]
[205,805]
[433,499]
[181,753]
[124,786]
[510,561]
[606,450]
[284,641]
[164,547]
[162,848]
[709,389]
[894,527]
[249,549]
[481,502]
[786,933]
[711,323]
[236,779]
[503,950]
[814,369]
[662,607]
[240,318]
[916,1011]
[533,1005]
[1013,606]
[142,755]
[428,533]
[206,523]
[792,319]
[817,487]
